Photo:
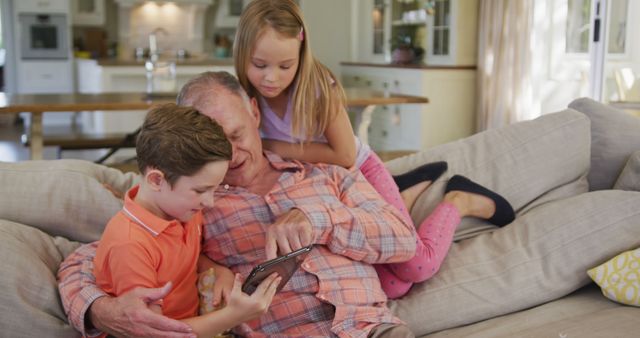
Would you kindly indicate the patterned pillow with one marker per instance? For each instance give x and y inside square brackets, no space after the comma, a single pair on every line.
[619,278]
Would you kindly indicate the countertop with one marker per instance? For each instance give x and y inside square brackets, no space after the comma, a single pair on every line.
[407,65]
[193,61]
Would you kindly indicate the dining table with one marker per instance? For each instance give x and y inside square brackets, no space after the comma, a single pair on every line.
[362,101]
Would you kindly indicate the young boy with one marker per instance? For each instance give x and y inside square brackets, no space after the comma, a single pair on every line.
[156,237]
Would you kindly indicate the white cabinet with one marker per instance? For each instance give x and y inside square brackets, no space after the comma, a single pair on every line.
[41,77]
[44,77]
[41,6]
[445,30]
[88,12]
[449,115]
[229,11]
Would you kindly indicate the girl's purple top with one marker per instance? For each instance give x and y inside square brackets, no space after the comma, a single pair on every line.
[275,128]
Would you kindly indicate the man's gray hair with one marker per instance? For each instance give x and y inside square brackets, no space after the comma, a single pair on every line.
[203,89]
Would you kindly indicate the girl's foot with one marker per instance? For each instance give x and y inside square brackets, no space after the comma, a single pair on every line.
[410,195]
[485,204]
[426,172]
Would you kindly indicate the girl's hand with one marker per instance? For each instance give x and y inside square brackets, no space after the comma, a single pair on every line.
[223,284]
[254,305]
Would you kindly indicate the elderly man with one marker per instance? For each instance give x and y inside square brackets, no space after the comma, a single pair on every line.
[269,205]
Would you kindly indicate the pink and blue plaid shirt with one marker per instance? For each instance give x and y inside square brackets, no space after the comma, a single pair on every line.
[335,293]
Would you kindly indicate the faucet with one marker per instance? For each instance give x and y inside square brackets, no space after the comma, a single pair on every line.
[153,43]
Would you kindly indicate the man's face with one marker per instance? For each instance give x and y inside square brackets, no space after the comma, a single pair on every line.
[240,123]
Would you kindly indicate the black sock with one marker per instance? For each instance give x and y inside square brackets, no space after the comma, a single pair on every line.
[426,172]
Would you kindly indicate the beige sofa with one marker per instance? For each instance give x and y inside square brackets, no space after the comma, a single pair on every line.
[526,279]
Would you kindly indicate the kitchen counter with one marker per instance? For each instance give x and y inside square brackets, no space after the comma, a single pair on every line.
[192,61]
[407,65]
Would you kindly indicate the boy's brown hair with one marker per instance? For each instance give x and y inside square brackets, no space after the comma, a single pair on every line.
[179,141]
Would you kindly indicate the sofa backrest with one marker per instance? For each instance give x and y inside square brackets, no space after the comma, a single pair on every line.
[615,135]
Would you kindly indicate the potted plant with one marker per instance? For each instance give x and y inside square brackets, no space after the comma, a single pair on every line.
[402,49]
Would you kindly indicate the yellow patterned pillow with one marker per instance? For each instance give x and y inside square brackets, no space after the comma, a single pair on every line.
[619,278]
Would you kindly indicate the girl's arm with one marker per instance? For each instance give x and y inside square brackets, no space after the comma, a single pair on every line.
[239,309]
[340,149]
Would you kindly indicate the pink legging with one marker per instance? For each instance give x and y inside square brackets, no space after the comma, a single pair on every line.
[435,234]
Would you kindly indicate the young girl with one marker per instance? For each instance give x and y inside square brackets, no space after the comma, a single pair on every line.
[303,117]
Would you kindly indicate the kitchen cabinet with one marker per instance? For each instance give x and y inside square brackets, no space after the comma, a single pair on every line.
[88,12]
[229,11]
[445,30]
[45,77]
[94,77]
[449,115]
[41,6]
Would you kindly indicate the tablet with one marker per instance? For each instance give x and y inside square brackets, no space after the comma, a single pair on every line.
[285,266]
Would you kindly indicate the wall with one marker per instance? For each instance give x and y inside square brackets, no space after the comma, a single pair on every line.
[467,33]
[329,25]
[182,26]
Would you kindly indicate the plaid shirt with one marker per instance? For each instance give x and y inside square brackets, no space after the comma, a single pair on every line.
[336,291]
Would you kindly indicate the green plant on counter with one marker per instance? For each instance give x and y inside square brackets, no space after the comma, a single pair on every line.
[402,41]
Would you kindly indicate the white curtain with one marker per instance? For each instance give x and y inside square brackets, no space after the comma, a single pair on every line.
[506,45]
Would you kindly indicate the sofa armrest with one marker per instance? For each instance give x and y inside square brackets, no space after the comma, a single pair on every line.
[61,197]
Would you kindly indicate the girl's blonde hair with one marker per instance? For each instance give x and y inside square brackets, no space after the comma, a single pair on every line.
[317,96]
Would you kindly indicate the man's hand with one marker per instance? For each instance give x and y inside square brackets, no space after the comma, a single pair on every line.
[129,315]
[290,232]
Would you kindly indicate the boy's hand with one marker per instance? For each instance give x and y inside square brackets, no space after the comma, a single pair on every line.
[255,305]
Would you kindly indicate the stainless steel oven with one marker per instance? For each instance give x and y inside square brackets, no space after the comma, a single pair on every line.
[44,36]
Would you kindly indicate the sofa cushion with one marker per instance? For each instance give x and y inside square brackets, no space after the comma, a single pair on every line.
[524,162]
[30,305]
[543,255]
[615,135]
[629,178]
[61,197]
[584,313]
[619,277]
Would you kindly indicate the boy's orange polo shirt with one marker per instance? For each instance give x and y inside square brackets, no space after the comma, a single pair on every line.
[138,248]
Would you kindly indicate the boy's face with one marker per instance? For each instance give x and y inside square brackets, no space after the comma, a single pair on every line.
[191,194]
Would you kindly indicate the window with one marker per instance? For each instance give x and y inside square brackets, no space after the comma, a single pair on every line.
[579,26]
[441,27]
[378,26]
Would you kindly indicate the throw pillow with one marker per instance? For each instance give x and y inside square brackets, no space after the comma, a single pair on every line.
[630,177]
[619,277]
[61,197]
[614,136]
